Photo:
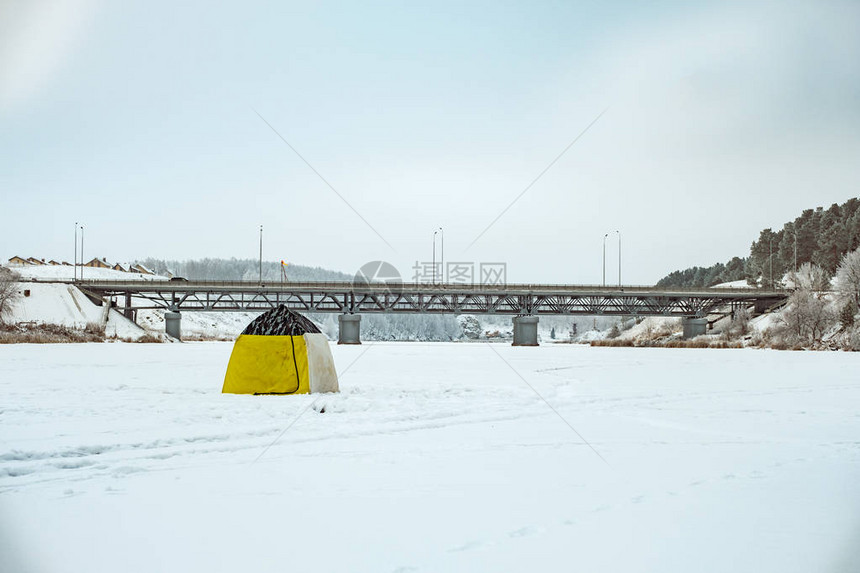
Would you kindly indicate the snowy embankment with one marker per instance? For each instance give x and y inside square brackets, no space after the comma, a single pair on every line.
[64,304]
[434,457]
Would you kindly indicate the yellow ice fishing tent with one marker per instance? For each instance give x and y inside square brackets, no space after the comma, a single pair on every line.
[280,352]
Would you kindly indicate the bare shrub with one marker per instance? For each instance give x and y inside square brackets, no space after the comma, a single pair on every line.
[616,343]
[739,325]
[725,344]
[95,329]
[700,342]
[648,330]
[208,338]
[47,334]
[851,340]
[9,291]
[145,339]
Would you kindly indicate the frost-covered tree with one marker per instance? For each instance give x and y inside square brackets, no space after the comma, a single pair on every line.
[848,277]
[809,276]
[471,326]
[806,318]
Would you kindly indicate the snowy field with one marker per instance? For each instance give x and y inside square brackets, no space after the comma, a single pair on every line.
[434,457]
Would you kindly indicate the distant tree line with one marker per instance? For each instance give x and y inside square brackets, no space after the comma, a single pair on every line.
[817,236]
[822,237]
[706,276]
[240,270]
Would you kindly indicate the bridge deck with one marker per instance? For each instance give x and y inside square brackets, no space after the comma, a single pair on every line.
[348,297]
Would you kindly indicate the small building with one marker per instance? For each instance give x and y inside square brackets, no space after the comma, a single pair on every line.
[139,268]
[54,263]
[98,264]
[66,264]
[17,261]
[119,267]
[35,261]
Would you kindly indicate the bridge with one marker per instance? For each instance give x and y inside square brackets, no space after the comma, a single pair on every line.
[524,302]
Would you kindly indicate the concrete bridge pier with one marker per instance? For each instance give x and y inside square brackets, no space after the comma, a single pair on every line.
[173,324]
[128,312]
[694,327]
[525,331]
[349,329]
[761,306]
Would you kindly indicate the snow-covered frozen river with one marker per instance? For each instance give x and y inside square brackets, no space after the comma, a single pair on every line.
[434,457]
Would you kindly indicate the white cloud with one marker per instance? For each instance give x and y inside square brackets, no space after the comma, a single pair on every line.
[36,39]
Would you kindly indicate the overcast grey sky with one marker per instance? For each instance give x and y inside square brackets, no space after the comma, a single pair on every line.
[137,119]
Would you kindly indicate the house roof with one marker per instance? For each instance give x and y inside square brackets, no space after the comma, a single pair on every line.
[142,268]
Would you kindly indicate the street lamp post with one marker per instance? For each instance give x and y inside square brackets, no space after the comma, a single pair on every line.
[82,252]
[604,258]
[770,260]
[795,251]
[442,249]
[619,258]
[261,254]
[75,263]
[434,255]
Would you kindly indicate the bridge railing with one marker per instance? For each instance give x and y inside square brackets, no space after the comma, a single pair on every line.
[408,286]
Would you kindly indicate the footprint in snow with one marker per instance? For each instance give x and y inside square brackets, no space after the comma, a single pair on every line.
[466,547]
[525,532]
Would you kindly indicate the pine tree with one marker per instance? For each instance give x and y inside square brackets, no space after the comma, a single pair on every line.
[807,233]
[831,239]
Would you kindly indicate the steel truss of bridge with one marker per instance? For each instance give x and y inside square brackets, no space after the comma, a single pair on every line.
[350,298]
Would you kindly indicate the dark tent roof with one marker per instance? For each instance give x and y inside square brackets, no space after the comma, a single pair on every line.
[281,321]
